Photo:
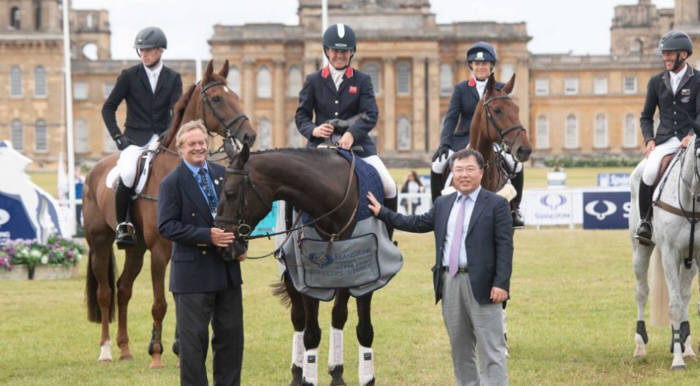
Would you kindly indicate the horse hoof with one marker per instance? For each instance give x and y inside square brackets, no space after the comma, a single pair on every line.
[678,367]
[155,366]
[105,360]
[126,357]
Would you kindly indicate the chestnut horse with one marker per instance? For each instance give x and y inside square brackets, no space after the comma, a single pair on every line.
[220,109]
[253,181]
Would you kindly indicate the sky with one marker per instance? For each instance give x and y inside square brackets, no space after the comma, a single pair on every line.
[556,26]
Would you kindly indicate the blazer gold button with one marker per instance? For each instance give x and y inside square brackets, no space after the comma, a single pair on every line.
[204,252]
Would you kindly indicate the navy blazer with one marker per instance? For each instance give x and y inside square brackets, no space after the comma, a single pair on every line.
[146,112]
[320,97]
[185,219]
[462,105]
[489,240]
[675,111]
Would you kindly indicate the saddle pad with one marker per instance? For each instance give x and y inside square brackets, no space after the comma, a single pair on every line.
[113,175]
[347,263]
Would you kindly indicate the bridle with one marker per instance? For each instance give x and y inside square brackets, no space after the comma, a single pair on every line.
[230,133]
[503,143]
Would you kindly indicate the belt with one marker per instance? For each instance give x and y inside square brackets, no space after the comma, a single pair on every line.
[459,270]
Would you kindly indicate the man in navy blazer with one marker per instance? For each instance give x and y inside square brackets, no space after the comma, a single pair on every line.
[472,269]
[206,285]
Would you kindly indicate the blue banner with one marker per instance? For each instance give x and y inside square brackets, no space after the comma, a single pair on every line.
[267,224]
[610,180]
[606,210]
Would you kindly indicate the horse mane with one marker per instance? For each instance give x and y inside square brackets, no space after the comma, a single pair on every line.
[178,113]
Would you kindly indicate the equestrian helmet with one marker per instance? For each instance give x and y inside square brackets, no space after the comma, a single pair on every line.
[339,37]
[482,52]
[676,41]
[150,37]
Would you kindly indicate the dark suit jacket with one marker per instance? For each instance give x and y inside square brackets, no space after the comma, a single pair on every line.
[146,113]
[355,95]
[185,219]
[489,240]
[461,110]
[675,111]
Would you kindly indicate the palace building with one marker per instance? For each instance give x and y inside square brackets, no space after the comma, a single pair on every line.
[571,104]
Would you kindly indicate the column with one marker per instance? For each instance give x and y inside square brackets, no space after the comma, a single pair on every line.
[248,88]
[433,104]
[389,132]
[418,88]
[279,92]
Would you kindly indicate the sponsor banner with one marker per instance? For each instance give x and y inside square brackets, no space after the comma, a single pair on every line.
[551,207]
[606,210]
[613,180]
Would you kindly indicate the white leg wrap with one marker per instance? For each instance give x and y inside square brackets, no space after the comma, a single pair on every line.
[689,353]
[298,349]
[105,352]
[310,372]
[365,365]
[335,348]
[640,348]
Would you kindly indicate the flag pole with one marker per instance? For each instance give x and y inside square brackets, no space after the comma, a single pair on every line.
[324,25]
[69,117]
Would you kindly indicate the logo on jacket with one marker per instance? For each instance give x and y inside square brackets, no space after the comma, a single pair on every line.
[608,207]
[553,201]
[352,90]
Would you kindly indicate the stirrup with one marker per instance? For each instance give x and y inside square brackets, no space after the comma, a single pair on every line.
[126,235]
[644,235]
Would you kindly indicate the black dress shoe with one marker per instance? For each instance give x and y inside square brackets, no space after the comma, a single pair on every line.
[517,219]
[644,233]
[126,235]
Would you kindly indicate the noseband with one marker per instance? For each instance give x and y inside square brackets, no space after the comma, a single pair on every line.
[243,230]
[502,132]
[229,132]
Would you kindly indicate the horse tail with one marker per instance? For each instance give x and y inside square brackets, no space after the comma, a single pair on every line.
[94,312]
[280,289]
[659,292]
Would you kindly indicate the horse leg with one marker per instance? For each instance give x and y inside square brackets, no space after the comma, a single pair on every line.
[132,266]
[365,336]
[642,254]
[312,338]
[297,316]
[100,290]
[686,288]
[160,254]
[335,342]
[671,266]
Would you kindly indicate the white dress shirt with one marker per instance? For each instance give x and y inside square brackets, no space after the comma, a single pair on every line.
[480,87]
[337,76]
[676,78]
[153,75]
[450,237]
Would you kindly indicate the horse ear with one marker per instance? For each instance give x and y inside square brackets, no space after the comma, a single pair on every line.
[208,72]
[224,69]
[508,88]
[490,83]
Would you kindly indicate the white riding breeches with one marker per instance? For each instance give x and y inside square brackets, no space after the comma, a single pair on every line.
[128,159]
[513,165]
[388,183]
[651,167]
[439,164]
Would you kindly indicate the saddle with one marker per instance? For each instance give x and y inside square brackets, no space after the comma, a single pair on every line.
[662,167]
[143,169]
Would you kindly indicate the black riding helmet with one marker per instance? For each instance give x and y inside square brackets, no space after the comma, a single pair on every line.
[676,41]
[482,52]
[339,37]
[150,37]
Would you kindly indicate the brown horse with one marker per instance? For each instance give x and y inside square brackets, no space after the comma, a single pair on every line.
[210,100]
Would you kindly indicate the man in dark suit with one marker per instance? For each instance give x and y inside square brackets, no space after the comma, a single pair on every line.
[206,285]
[474,252]
[151,90]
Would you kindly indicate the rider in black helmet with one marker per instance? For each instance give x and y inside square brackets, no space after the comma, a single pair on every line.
[151,90]
[675,92]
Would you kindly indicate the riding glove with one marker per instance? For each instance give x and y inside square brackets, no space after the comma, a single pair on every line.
[122,142]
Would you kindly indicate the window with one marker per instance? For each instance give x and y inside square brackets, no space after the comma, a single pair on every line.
[629,133]
[294,82]
[108,87]
[506,71]
[37,14]
[80,90]
[571,86]
[108,145]
[629,85]
[80,133]
[234,79]
[372,69]
[600,86]
[542,131]
[41,140]
[15,82]
[295,137]
[40,82]
[264,83]
[88,21]
[14,18]
[264,134]
[541,86]
[600,131]
[403,78]
[446,81]
[90,51]
[404,134]
[571,132]
[16,134]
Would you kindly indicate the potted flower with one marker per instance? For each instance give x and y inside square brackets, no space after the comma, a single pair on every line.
[52,260]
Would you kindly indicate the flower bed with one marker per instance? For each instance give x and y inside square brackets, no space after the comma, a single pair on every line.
[55,259]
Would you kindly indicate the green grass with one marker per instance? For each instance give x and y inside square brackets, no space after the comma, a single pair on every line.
[571,320]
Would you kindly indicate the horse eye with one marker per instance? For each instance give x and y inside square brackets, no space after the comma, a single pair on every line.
[216,99]
[497,110]
[229,193]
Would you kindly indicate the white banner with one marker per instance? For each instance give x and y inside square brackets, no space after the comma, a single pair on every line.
[552,207]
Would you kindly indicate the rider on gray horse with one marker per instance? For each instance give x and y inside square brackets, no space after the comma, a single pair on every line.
[675,92]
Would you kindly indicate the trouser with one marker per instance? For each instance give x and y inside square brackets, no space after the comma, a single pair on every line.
[194,312]
[653,161]
[388,183]
[128,159]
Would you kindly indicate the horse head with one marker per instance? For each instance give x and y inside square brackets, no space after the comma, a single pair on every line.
[243,203]
[221,108]
[502,120]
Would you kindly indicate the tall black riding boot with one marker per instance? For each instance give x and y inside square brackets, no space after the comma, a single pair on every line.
[126,235]
[518,181]
[436,185]
[645,211]
[391,203]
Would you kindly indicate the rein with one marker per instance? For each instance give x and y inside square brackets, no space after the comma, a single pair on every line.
[504,145]
[230,134]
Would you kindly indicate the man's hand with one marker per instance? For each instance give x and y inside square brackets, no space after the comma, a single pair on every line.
[686,140]
[322,131]
[346,141]
[649,148]
[221,238]
[498,295]
[374,205]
